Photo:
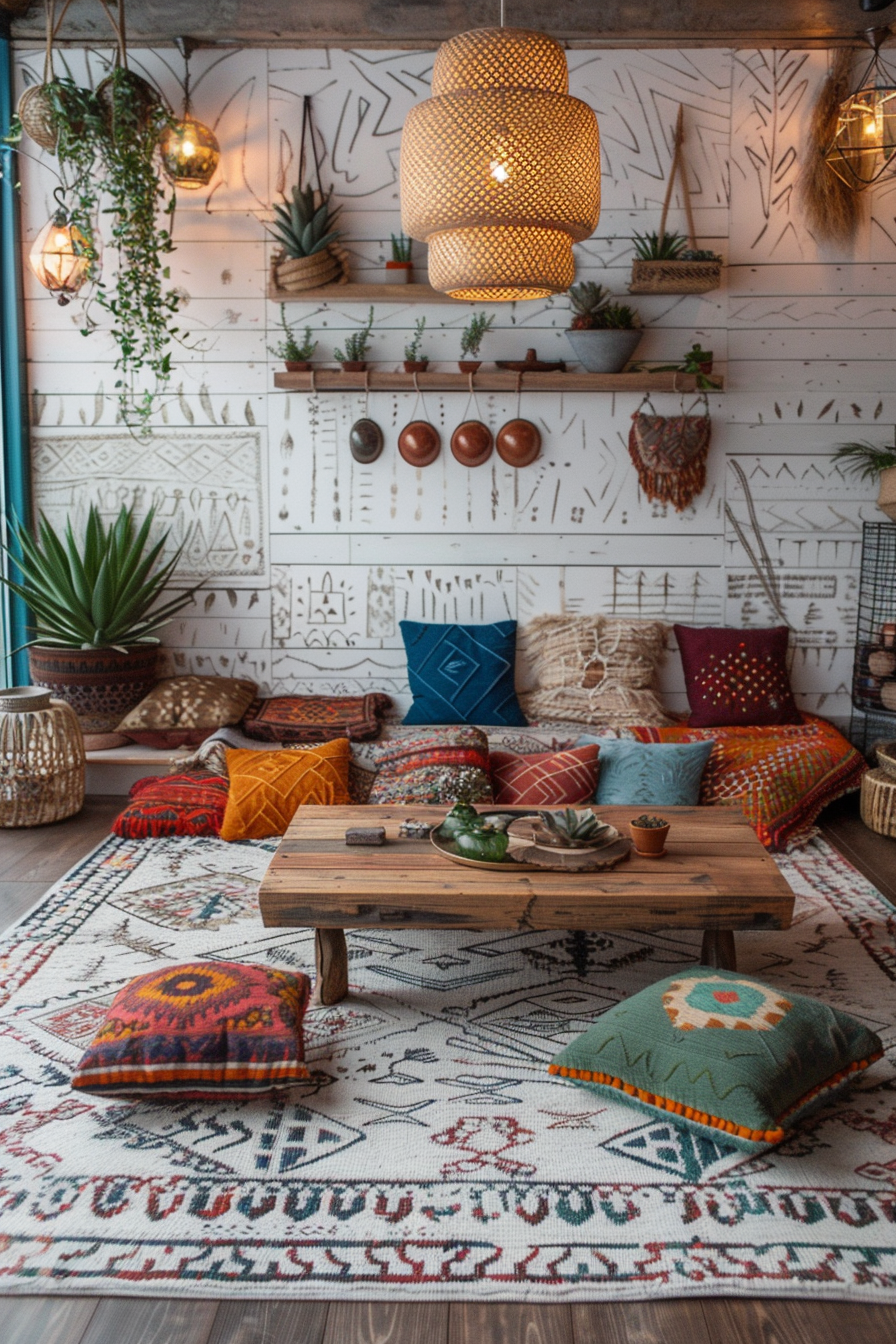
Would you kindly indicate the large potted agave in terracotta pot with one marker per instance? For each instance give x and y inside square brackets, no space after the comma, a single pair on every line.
[97,609]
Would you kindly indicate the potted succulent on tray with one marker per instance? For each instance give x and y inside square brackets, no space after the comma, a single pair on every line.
[400,270]
[869,463]
[354,357]
[665,264]
[471,340]
[295,355]
[304,228]
[97,607]
[412,361]
[604,334]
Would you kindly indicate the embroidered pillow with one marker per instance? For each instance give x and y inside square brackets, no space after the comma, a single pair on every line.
[547,779]
[736,676]
[462,673]
[183,711]
[202,1030]
[724,1054]
[186,804]
[266,787]
[639,775]
[316,718]
[594,670]
[442,767]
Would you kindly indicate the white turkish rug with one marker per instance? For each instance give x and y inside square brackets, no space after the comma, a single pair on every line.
[431,1155]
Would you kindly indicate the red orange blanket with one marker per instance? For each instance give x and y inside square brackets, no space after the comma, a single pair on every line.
[782,776]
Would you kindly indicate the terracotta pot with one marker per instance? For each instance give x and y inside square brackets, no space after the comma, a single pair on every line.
[886,499]
[649,841]
[399,272]
[101,685]
[472,443]
[416,365]
[518,443]
[354,365]
[419,443]
[469,365]
[297,365]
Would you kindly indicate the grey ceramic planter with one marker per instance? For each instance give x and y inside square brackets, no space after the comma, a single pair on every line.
[604,351]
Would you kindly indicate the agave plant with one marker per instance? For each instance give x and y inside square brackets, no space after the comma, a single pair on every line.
[302,228]
[572,826]
[658,246]
[100,593]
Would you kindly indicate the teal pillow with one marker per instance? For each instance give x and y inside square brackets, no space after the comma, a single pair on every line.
[722,1053]
[462,673]
[650,774]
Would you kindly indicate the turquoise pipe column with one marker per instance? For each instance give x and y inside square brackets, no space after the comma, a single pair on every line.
[15,482]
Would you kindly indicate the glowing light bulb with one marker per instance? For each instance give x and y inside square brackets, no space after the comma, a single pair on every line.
[61,241]
[499,171]
[188,149]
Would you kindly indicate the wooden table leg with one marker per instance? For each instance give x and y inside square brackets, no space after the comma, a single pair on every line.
[331,957]
[718,949]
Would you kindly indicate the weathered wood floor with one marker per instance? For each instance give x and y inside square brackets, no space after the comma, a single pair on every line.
[30,861]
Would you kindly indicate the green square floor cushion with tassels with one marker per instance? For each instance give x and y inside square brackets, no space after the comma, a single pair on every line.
[462,674]
[722,1054]
[650,774]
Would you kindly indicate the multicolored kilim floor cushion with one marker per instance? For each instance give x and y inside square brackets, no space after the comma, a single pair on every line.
[430,1154]
[783,775]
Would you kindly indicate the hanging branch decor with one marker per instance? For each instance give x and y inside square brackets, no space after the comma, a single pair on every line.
[831,207]
[669,453]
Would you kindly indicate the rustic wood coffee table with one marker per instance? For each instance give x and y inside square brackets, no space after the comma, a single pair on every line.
[715,876]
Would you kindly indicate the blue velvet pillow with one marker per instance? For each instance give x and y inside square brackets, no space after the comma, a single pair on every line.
[462,673]
[650,774]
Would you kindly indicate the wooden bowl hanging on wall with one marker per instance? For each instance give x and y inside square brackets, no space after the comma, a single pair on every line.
[365,439]
[419,443]
[472,443]
[518,443]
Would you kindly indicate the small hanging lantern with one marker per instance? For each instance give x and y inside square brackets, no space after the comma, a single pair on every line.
[864,145]
[189,150]
[500,168]
[61,256]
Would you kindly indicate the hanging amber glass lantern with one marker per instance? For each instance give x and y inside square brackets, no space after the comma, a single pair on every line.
[864,145]
[189,150]
[500,168]
[62,257]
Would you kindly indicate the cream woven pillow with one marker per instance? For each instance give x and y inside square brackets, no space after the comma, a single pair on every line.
[595,670]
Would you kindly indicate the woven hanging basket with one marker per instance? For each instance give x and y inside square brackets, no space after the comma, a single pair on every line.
[36,115]
[295,274]
[878,802]
[675,277]
[41,759]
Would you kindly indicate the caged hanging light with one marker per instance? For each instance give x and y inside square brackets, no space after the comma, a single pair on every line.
[62,257]
[500,168]
[189,150]
[864,145]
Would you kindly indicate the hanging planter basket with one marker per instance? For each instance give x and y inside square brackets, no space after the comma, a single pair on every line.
[672,275]
[35,107]
[295,274]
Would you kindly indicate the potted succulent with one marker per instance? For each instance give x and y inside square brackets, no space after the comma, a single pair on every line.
[354,357]
[649,835]
[97,612]
[400,270]
[869,463]
[665,264]
[471,340]
[304,228]
[412,361]
[296,355]
[603,333]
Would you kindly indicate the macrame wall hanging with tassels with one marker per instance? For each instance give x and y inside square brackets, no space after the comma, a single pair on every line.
[670,452]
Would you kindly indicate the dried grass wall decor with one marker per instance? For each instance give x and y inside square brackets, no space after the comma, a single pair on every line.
[832,208]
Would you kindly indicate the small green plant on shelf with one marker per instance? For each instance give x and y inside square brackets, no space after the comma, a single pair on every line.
[472,335]
[357,344]
[401,248]
[865,460]
[696,361]
[290,349]
[303,227]
[648,822]
[658,246]
[595,310]
[413,349]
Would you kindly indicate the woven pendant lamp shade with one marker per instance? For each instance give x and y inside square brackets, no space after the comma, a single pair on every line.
[500,168]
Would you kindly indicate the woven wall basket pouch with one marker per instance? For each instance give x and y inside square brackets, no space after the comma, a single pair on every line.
[669,453]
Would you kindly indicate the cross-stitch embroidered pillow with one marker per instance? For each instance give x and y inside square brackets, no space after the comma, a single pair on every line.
[736,677]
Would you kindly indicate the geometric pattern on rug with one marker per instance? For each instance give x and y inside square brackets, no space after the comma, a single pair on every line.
[429,1153]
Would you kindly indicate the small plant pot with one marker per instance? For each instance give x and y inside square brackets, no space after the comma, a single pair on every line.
[298,365]
[354,365]
[416,365]
[399,272]
[886,499]
[604,350]
[649,841]
[469,365]
[705,367]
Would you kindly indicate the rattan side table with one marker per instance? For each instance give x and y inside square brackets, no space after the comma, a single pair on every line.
[42,764]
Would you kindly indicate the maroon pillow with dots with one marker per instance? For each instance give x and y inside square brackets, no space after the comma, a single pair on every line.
[737,676]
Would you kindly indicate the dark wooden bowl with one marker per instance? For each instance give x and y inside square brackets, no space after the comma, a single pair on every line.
[419,443]
[518,443]
[365,439]
[472,443]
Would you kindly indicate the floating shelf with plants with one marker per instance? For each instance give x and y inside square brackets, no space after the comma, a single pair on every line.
[362,293]
[489,380]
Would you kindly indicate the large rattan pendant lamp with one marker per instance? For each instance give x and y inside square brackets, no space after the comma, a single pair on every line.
[500,168]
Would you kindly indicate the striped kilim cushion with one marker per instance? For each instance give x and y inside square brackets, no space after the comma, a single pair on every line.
[548,779]
[266,787]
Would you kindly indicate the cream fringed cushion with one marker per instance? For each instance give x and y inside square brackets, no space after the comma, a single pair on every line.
[595,670]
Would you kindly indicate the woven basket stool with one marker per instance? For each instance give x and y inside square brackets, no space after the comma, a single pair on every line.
[878,802]
[41,758]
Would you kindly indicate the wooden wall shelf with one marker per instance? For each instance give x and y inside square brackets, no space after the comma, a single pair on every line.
[488,380]
[351,293]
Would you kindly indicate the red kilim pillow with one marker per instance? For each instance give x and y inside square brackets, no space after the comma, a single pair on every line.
[736,677]
[548,779]
[188,804]
[316,718]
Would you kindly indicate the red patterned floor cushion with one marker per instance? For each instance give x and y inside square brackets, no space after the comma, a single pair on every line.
[201,1030]
[447,765]
[782,776]
[187,804]
[547,779]
[316,718]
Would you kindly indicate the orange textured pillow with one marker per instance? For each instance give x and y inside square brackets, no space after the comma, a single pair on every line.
[266,787]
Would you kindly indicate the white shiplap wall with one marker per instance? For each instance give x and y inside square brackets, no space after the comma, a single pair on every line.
[315,559]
